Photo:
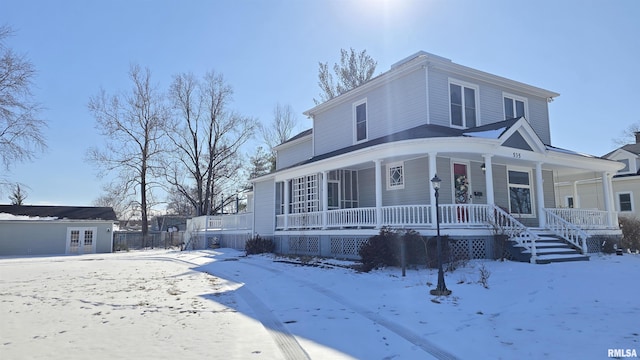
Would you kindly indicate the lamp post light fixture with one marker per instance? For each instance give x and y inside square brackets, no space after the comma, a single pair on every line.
[441,288]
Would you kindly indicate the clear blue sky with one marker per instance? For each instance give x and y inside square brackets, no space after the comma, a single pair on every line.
[588,51]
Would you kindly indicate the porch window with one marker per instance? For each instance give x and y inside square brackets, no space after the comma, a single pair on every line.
[305,196]
[395,176]
[348,187]
[360,120]
[463,104]
[520,192]
[625,202]
[514,106]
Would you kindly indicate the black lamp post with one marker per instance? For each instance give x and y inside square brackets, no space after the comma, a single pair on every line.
[441,289]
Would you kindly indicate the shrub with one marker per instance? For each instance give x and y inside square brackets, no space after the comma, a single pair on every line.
[258,245]
[384,249]
[608,246]
[380,250]
[630,233]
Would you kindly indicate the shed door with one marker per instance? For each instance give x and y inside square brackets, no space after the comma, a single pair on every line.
[81,240]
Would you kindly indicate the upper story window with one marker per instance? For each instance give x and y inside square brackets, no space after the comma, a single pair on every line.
[463,101]
[360,121]
[514,106]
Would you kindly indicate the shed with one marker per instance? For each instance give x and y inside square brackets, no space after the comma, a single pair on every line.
[56,230]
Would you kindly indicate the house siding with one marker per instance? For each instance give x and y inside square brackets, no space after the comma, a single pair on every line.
[391,107]
[264,207]
[490,108]
[417,184]
[294,154]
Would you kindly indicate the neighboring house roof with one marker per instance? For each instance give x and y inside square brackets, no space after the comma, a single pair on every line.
[61,212]
[632,148]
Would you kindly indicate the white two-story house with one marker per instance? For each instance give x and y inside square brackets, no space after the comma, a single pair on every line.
[370,156]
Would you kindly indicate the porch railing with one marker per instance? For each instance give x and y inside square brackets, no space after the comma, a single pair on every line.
[584,218]
[508,225]
[565,229]
[407,215]
[464,214]
[355,217]
[230,221]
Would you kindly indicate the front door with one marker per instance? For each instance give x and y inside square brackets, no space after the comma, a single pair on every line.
[81,240]
[461,183]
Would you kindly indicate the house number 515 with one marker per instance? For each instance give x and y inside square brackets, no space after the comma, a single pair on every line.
[517,155]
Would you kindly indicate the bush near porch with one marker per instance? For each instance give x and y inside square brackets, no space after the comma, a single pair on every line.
[630,233]
[385,249]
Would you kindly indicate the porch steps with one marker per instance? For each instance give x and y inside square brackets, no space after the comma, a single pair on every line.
[549,249]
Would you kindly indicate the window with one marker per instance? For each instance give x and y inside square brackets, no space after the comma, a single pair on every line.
[520,192]
[568,201]
[395,176]
[463,104]
[360,118]
[626,166]
[514,106]
[625,202]
[305,194]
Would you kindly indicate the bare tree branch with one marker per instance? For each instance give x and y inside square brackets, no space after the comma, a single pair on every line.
[355,69]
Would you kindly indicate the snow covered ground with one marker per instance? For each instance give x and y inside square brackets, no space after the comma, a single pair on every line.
[222,305]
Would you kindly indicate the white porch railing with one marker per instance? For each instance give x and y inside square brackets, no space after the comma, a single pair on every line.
[358,217]
[407,215]
[567,230]
[585,218]
[464,214]
[515,230]
[229,222]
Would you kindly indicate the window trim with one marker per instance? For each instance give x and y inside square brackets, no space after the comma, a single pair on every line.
[619,204]
[515,98]
[476,90]
[354,107]
[394,165]
[531,188]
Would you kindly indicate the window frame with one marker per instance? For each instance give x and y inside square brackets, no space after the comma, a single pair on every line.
[619,202]
[515,98]
[476,90]
[529,186]
[354,109]
[389,167]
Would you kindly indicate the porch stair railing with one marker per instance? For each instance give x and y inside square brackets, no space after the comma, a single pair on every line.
[516,231]
[566,230]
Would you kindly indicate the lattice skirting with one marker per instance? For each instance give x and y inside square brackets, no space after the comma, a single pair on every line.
[348,247]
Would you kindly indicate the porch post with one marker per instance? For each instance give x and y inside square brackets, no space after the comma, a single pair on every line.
[378,174]
[488,178]
[286,204]
[325,194]
[608,197]
[433,169]
[576,203]
[542,216]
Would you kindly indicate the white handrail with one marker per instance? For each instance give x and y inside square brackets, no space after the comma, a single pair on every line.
[583,218]
[515,230]
[404,215]
[351,217]
[566,230]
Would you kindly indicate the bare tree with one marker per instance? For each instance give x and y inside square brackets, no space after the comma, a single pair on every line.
[277,131]
[628,135]
[18,196]
[115,197]
[133,125]
[206,162]
[21,129]
[355,69]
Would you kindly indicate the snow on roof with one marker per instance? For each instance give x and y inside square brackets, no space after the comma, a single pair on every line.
[487,134]
[5,216]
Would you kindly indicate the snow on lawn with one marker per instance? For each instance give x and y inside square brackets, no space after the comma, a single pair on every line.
[223,305]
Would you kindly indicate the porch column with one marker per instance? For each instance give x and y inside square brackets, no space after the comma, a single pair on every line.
[608,197]
[488,178]
[433,169]
[378,193]
[325,194]
[286,204]
[576,203]
[542,216]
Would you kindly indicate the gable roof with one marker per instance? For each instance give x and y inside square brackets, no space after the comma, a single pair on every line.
[62,212]
[632,148]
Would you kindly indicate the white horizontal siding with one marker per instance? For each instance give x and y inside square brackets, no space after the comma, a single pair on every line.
[294,154]
[264,207]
